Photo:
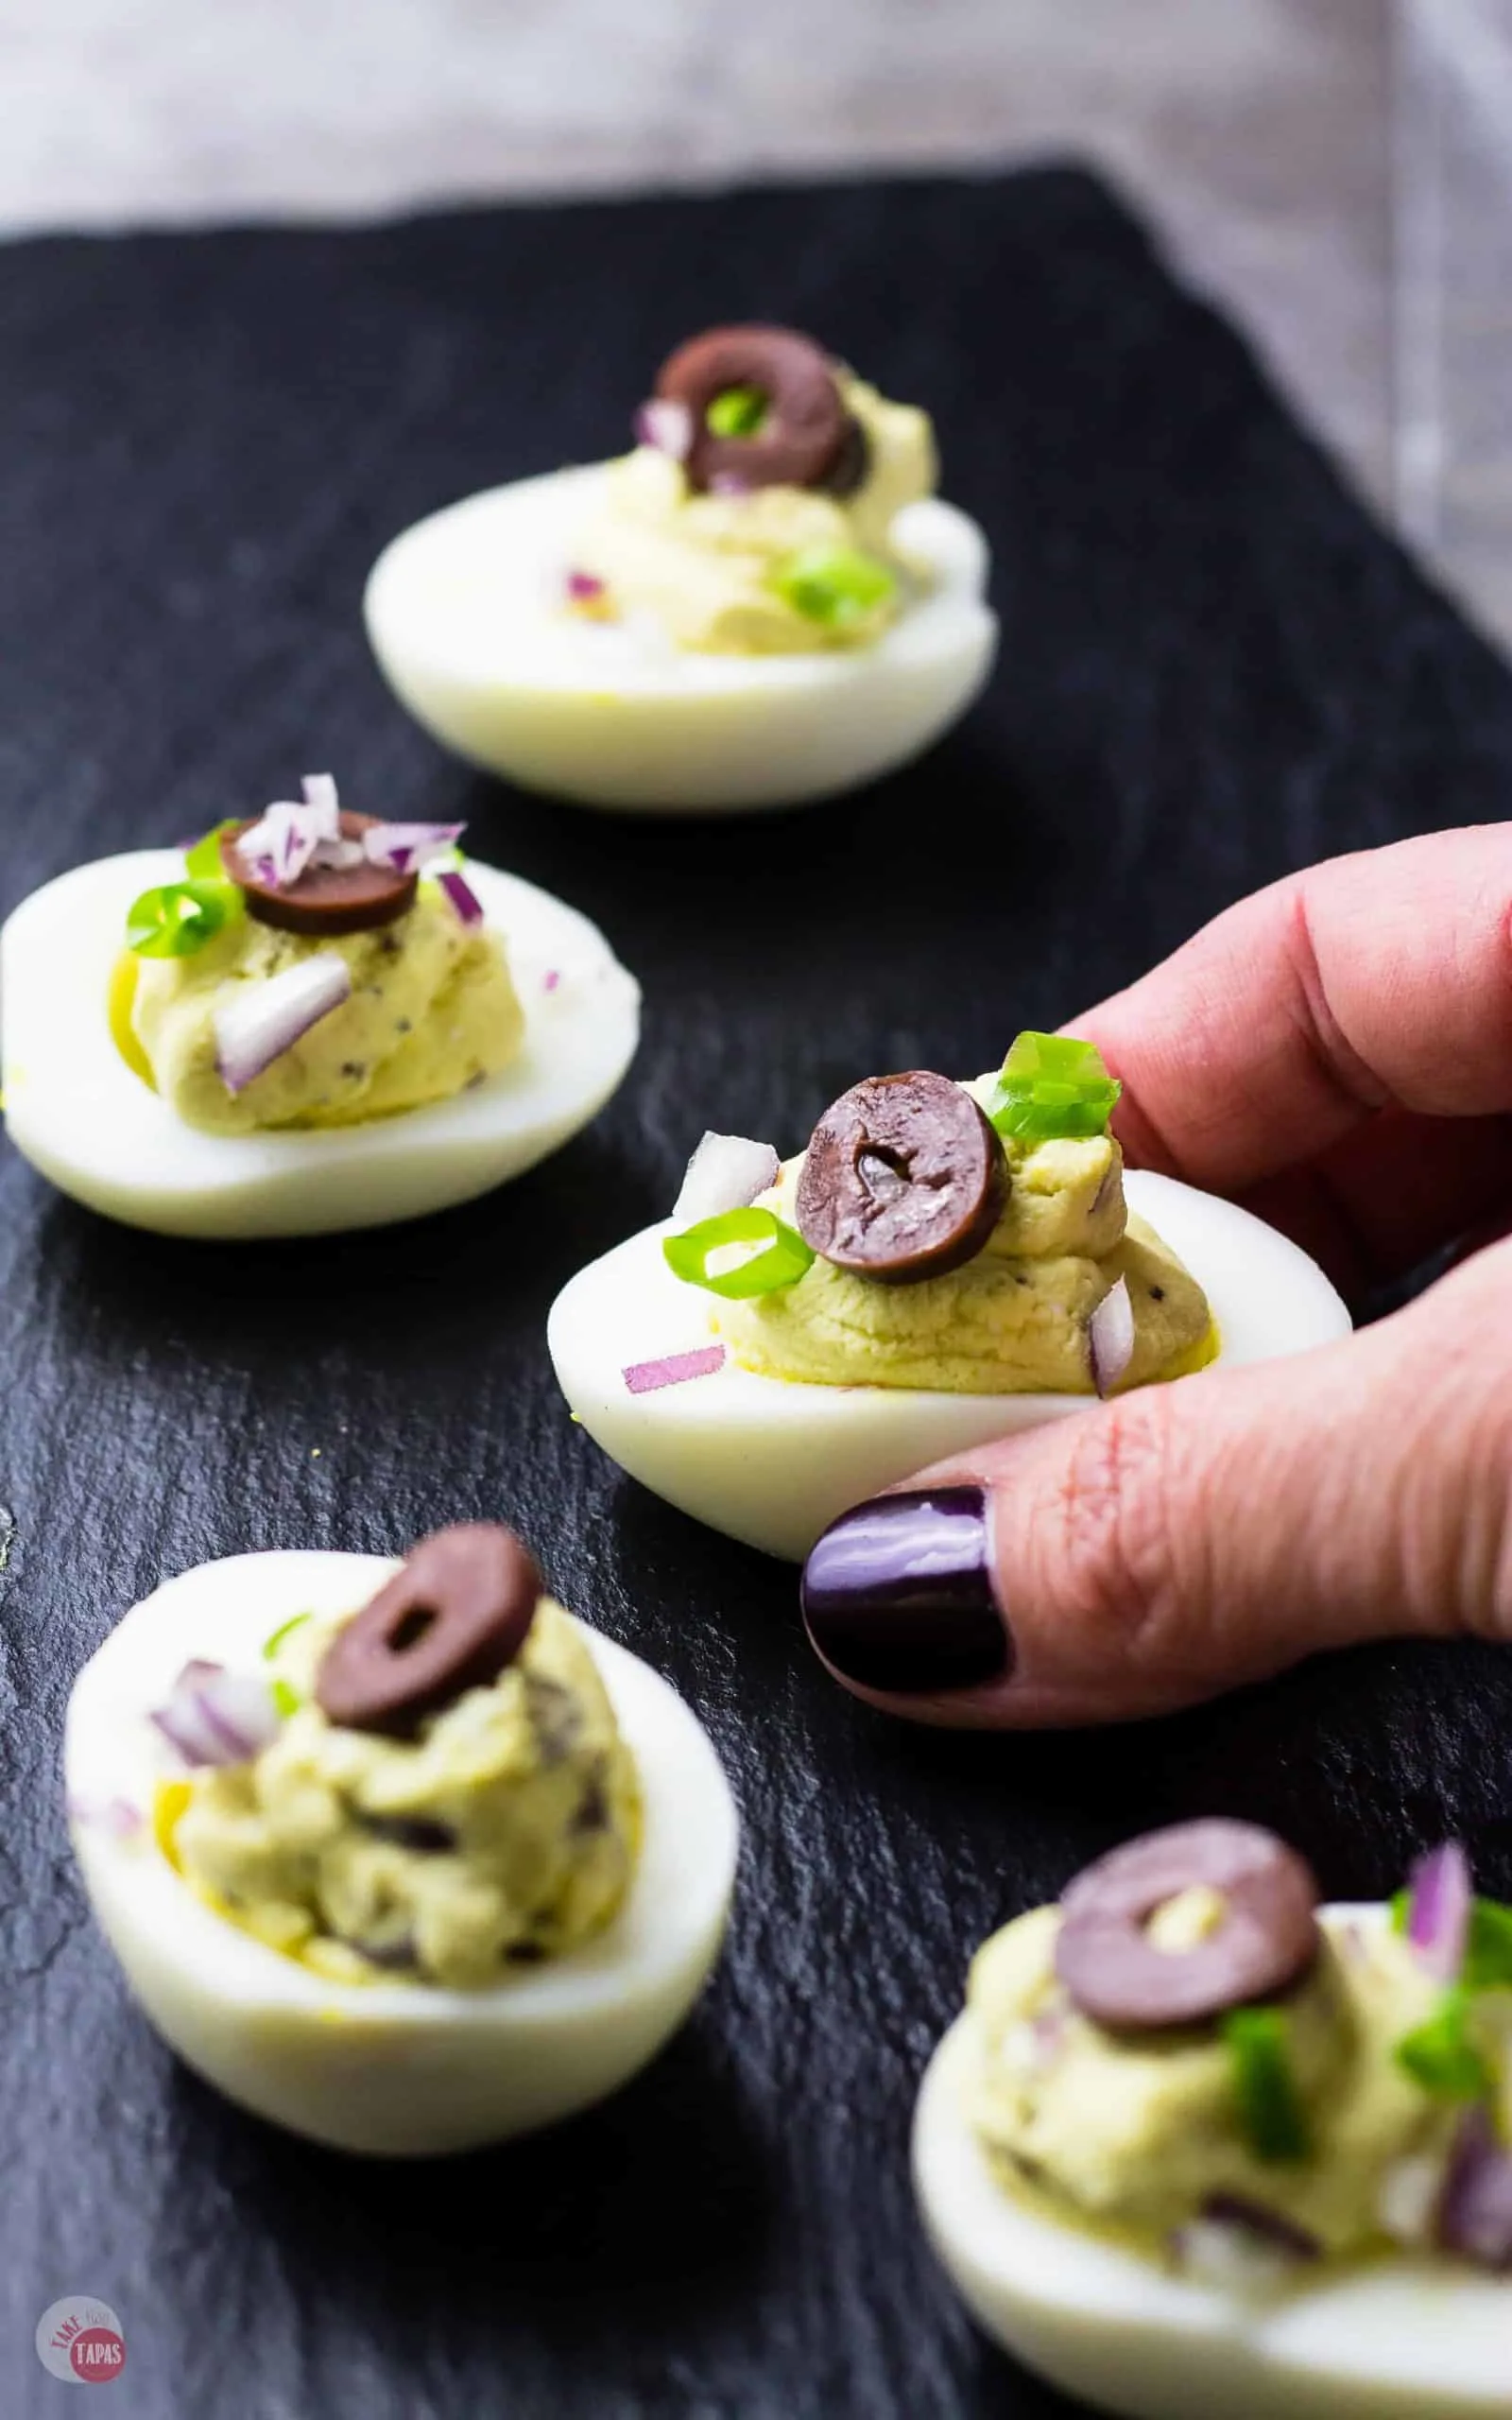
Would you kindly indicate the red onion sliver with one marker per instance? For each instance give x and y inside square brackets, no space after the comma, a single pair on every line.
[405,847]
[1281,2234]
[281,843]
[321,798]
[1234,2254]
[217,1718]
[462,896]
[726,1172]
[116,1816]
[1438,1910]
[1408,2198]
[1475,2214]
[262,1020]
[343,855]
[644,1377]
[584,587]
[551,978]
[1110,1337]
[667,426]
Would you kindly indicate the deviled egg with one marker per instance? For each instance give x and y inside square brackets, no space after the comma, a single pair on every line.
[764,603]
[1198,2146]
[400,1856]
[944,1265]
[312,1021]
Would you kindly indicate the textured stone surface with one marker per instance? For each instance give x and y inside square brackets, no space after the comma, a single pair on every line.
[1214,669]
[1258,133]
[1337,175]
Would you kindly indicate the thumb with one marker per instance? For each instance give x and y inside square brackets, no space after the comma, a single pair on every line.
[1186,1538]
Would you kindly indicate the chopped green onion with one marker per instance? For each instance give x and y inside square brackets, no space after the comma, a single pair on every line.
[1489,1945]
[179,918]
[1270,2106]
[204,860]
[782,1261]
[1051,1085]
[739,411]
[1440,2055]
[287,1698]
[1489,1950]
[296,1621]
[836,586]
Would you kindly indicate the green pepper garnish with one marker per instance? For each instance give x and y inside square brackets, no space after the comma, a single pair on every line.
[296,1621]
[204,860]
[1052,1086]
[287,1698]
[836,586]
[1271,2112]
[1440,2055]
[179,918]
[783,1262]
[738,411]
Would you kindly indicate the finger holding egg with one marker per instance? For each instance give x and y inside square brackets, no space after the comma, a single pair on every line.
[397,1855]
[310,1021]
[764,603]
[945,1264]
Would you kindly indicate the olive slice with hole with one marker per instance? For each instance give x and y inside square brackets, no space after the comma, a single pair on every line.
[452,1619]
[1263,1941]
[326,900]
[904,1180]
[804,437]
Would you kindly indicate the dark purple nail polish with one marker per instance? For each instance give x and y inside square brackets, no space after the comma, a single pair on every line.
[897,1595]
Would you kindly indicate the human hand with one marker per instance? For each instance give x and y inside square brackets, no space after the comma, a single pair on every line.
[1337,1054]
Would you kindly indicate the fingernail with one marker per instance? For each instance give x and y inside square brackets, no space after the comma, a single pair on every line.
[897,1595]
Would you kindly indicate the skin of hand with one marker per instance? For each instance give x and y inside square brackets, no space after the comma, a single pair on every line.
[1337,1054]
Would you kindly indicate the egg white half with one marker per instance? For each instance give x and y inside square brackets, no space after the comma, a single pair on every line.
[1399,2338]
[463,612]
[386,2068]
[773,1461]
[79,1112]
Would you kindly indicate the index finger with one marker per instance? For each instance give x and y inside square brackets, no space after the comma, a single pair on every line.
[1371,981]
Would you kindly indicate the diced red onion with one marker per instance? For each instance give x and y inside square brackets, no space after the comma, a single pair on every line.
[1407,2202]
[1270,2226]
[217,1718]
[1036,2044]
[1240,2248]
[462,896]
[262,1020]
[726,1172]
[551,978]
[646,1377]
[342,855]
[585,587]
[731,483]
[321,800]
[1110,1337]
[1475,2214]
[1438,1910]
[666,424]
[116,1816]
[405,847]
[279,845]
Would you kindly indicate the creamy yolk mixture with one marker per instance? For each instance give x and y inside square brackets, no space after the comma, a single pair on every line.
[705,565]
[505,1833]
[432,1010]
[1014,1321]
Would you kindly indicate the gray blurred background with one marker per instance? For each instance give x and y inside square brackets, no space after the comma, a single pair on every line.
[1338,172]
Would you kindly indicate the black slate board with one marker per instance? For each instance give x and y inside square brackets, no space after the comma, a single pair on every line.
[1213,669]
